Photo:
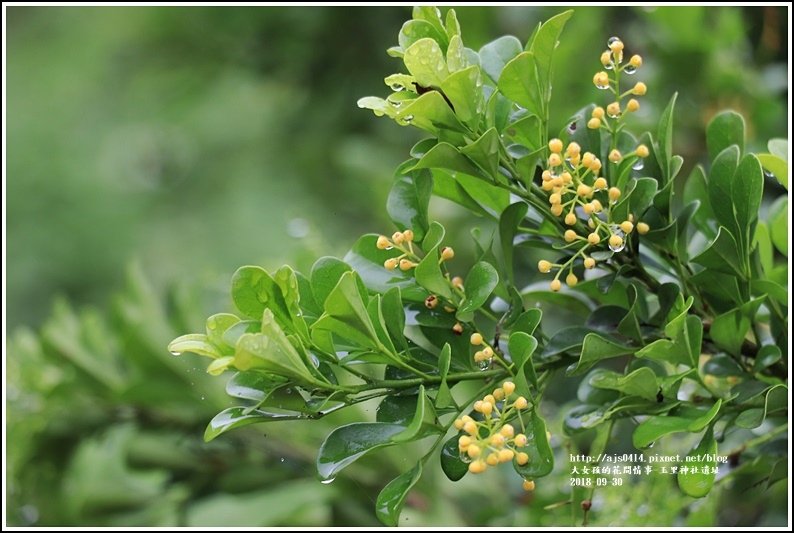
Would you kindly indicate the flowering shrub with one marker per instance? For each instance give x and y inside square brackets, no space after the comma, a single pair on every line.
[679,290]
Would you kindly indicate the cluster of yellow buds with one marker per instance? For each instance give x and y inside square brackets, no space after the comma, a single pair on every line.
[403,241]
[612,60]
[491,441]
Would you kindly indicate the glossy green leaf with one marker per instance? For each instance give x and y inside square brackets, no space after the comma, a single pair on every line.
[522,346]
[665,350]
[656,427]
[541,457]
[216,326]
[508,225]
[235,417]
[348,443]
[444,395]
[763,243]
[397,409]
[778,224]
[519,82]
[478,286]
[696,189]
[496,54]
[325,274]
[721,183]
[392,497]
[253,290]
[463,91]
[747,190]
[451,464]
[424,414]
[394,316]
[543,44]
[346,313]
[767,356]
[722,254]
[777,166]
[665,146]
[494,199]
[484,152]
[775,399]
[197,343]
[638,197]
[702,457]
[596,348]
[724,130]
[425,61]
[722,365]
[446,156]
[729,329]
[287,282]
[430,112]
[528,321]
[414,30]
[408,201]
[642,382]
[428,274]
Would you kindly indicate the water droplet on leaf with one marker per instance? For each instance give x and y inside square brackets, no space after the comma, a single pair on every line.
[639,164]
[328,481]
[630,69]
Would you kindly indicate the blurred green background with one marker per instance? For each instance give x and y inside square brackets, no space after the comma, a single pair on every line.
[152,151]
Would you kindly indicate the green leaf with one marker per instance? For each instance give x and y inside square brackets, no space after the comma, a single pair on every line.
[394,316]
[775,399]
[703,456]
[519,82]
[778,224]
[729,329]
[492,198]
[216,326]
[451,25]
[397,409]
[636,200]
[430,112]
[325,274]
[721,182]
[464,93]
[543,44]
[696,189]
[408,201]
[484,152]
[724,130]
[748,187]
[367,260]
[423,415]
[722,254]
[528,321]
[235,417]
[346,314]
[428,275]
[270,351]
[541,457]
[287,282]
[348,443]
[425,61]
[763,243]
[451,464]
[767,356]
[596,348]
[253,290]
[392,497]
[508,226]
[665,350]
[665,151]
[415,30]
[629,325]
[480,283]
[642,382]
[776,166]
[495,55]
[522,346]
[444,155]
[444,395]
[197,343]
[658,426]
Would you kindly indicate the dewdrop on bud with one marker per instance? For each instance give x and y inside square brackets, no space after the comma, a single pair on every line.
[528,484]
[601,80]
[643,228]
[447,253]
[594,123]
[635,61]
[600,184]
[614,156]
[616,243]
[613,110]
[642,151]
[398,237]
[632,105]
[614,194]
[571,280]
[606,59]
[593,238]
[615,44]
[570,235]
[555,285]
[589,262]
[627,226]
[639,89]
[383,243]
[476,339]
[544,267]
[555,145]
[390,264]
[570,219]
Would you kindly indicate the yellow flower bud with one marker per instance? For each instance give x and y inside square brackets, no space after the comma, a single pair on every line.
[499,394]
[600,183]
[406,264]
[635,61]
[522,458]
[544,266]
[627,227]
[566,178]
[558,182]
[408,235]
[593,238]
[555,145]
[457,282]
[528,484]
[601,80]
[447,253]
[521,403]
[632,105]
[555,285]
[489,397]
[506,455]
[477,467]
[459,424]
[487,408]
[520,440]
[587,159]
[571,280]
[615,156]
[642,151]
[594,123]
[464,441]
[473,451]
[556,210]
[616,241]
[606,58]
[397,237]
[498,440]
[573,148]
[470,427]
[589,262]
[390,264]
[478,404]
[554,160]
[431,301]
[383,243]
[614,194]
[509,387]
[476,339]
[595,166]
[492,459]
[546,175]
[598,112]
[575,158]
[616,45]
[639,89]
[613,109]
[584,190]
[570,219]
[457,329]
[570,235]
[555,198]
[588,208]
[507,431]
[597,207]
[643,228]
[547,185]
[488,351]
